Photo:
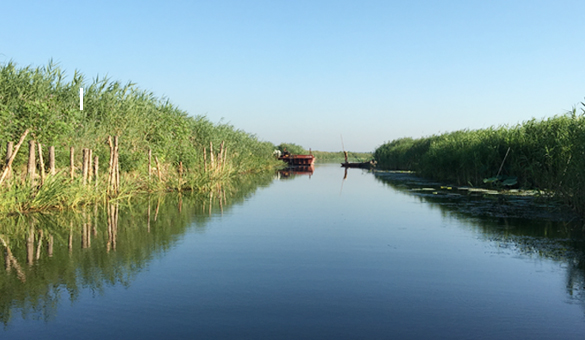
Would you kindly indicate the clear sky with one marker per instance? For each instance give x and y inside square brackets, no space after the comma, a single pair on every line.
[309,71]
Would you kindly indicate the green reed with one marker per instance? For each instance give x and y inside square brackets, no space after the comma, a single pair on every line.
[46,101]
[546,154]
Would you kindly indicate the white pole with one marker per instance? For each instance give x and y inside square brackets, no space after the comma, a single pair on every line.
[81,98]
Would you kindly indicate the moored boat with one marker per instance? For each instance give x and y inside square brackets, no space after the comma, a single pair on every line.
[298,159]
[363,165]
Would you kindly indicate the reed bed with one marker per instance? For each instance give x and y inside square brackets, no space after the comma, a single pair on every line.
[547,154]
[160,146]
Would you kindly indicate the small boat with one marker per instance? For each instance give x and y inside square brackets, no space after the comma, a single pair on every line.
[363,165]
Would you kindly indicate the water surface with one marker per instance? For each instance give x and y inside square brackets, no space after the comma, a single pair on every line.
[299,257]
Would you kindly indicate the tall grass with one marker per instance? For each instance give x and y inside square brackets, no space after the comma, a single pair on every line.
[545,154]
[43,100]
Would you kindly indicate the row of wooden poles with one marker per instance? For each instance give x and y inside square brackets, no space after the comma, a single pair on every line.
[89,168]
[90,163]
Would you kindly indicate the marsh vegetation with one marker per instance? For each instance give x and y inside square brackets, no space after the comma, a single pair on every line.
[161,147]
[548,155]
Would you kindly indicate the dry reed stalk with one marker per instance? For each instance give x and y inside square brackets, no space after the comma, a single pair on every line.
[9,162]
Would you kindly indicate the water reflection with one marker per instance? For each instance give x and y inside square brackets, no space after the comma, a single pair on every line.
[516,222]
[47,255]
[293,171]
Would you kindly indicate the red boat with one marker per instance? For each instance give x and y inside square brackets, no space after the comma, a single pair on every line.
[298,159]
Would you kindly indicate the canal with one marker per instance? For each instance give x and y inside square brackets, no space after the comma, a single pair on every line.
[293,256]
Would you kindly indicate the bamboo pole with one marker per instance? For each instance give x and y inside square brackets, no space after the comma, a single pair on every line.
[52,160]
[32,164]
[71,162]
[12,156]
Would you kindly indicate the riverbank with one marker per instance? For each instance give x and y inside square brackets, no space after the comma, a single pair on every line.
[546,155]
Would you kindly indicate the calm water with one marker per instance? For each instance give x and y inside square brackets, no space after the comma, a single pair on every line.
[298,257]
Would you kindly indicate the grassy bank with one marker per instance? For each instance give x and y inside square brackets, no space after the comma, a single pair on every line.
[338,157]
[544,154]
[191,152]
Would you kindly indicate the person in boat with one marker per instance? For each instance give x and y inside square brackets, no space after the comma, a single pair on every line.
[285,153]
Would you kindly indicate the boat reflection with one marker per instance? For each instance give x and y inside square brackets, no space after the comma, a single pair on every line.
[292,171]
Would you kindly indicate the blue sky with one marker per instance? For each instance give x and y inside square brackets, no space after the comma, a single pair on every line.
[309,71]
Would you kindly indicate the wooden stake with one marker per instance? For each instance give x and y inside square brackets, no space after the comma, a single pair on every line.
[204,160]
[52,160]
[158,169]
[89,165]
[96,167]
[84,165]
[180,174]
[32,164]
[224,159]
[117,162]
[219,157]
[211,160]
[41,163]
[149,163]
[9,148]
[71,162]
[12,156]
[111,165]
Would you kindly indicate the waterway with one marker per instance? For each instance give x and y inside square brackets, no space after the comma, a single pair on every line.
[293,256]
